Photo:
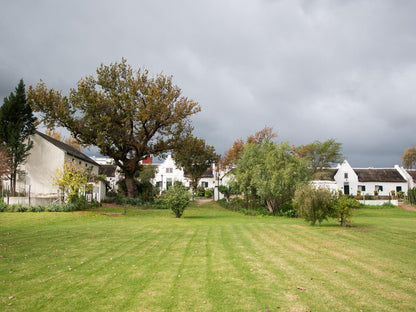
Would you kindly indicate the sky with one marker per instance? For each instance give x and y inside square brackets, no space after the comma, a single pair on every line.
[311,69]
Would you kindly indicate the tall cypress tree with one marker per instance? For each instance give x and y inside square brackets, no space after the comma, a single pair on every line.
[17,123]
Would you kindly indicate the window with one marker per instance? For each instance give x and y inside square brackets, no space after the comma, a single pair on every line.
[398,189]
[346,175]
[361,188]
[169,170]
[379,188]
[204,184]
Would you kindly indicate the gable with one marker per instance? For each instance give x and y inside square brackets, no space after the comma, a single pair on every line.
[70,150]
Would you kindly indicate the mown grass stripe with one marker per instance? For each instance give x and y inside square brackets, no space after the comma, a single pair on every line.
[227,262]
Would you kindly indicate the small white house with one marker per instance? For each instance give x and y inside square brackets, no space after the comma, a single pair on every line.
[167,173]
[46,157]
[371,180]
[367,181]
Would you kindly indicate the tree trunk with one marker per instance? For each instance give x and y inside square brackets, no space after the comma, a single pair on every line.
[12,185]
[270,206]
[131,186]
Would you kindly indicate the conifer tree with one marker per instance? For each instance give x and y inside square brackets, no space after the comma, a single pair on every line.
[17,123]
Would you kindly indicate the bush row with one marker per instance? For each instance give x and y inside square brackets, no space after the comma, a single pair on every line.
[80,204]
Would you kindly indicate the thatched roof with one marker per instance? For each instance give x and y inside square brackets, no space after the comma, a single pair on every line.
[208,174]
[412,173]
[379,175]
[326,174]
[108,170]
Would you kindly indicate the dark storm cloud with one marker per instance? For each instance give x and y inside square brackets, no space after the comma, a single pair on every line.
[313,70]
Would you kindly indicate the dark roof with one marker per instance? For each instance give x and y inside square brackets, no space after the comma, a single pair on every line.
[412,173]
[379,175]
[108,170]
[67,148]
[326,174]
[207,174]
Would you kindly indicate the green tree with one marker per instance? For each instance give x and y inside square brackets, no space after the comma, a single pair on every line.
[176,198]
[271,172]
[235,151]
[145,188]
[127,114]
[195,157]
[344,209]
[17,123]
[315,204]
[4,162]
[72,180]
[409,158]
[321,155]
[226,191]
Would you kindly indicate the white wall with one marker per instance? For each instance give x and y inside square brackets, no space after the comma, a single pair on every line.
[177,174]
[164,175]
[387,188]
[41,166]
[351,180]
[330,185]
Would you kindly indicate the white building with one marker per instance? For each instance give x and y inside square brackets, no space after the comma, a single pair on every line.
[367,181]
[167,173]
[46,157]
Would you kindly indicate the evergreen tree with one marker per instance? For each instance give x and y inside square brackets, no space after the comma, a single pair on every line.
[17,123]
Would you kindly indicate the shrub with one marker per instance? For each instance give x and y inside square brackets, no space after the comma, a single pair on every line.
[344,209]
[121,200]
[38,208]
[176,198]
[411,196]
[314,204]
[208,193]
[200,191]
[18,208]
[225,190]
[54,207]
[388,205]
[290,213]
[400,194]
[3,206]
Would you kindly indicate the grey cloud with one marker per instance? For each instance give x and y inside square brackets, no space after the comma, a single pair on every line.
[311,69]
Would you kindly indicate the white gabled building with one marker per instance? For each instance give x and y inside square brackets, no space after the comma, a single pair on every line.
[367,181]
[167,173]
[46,157]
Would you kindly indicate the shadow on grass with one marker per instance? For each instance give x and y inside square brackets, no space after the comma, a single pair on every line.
[204,217]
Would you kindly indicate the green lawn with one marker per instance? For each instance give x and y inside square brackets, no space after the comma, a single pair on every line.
[209,260]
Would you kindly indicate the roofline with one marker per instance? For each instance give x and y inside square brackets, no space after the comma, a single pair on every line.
[60,144]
